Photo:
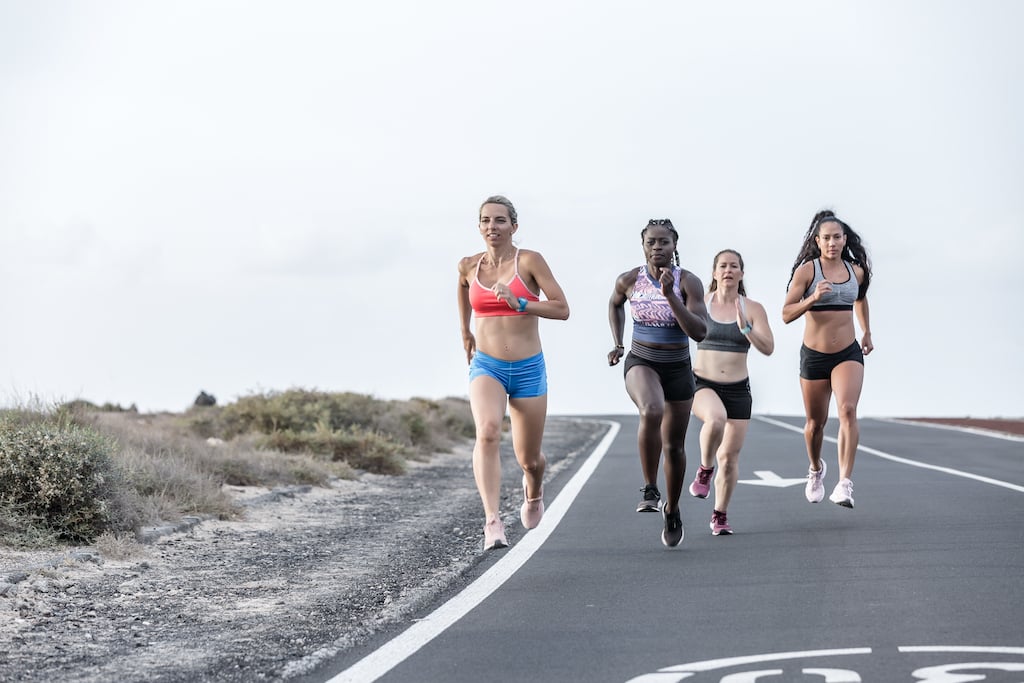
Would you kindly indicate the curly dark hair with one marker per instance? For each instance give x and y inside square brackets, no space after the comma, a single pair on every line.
[854,251]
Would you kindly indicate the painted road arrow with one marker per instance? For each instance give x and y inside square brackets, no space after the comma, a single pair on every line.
[768,478]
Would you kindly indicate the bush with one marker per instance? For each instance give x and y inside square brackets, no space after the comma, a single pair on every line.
[359,448]
[59,473]
[78,470]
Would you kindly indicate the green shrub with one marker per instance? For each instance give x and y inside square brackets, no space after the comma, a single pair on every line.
[59,473]
[297,410]
[359,448]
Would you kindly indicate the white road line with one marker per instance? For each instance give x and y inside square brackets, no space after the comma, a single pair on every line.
[392,653]
[962,648]
[904,461]
[726,662]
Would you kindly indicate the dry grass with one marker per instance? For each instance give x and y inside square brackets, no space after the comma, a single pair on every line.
[172,464]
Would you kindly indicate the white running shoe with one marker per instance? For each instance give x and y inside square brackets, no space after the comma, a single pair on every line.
[815,487]
[842,494]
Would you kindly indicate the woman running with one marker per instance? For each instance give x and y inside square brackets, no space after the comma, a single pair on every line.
[501,288]
[828,284]
[723,401]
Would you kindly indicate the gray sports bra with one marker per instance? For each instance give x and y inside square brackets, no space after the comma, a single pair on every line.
[843,294]
[725,336]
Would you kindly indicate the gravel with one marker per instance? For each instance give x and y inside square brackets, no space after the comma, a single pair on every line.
[306,574]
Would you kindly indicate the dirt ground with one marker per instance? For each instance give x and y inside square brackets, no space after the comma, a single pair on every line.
[307,573]
[1004,425]
[304,575]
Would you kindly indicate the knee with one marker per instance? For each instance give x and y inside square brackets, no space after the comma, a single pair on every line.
[488,433]
[650,414]
[847,412]
[715,424]
[676,450]
[814,427]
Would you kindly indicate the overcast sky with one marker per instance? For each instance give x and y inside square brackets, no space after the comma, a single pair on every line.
[254,196]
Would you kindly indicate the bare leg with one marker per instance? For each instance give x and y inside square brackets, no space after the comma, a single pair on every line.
[644,387]
[729,462]
[528,417]
[847,381]
[817,393]
[708,408]
[677,419]
[487,402]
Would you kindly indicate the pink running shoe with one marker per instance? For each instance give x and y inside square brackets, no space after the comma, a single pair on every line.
[701,485]
[533,508]
[719,524]
[494,534]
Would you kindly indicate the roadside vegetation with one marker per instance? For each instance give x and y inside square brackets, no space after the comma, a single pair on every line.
[78,472]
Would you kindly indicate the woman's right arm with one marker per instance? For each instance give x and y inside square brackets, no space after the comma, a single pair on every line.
[794,305]
[465,310]
[617,314]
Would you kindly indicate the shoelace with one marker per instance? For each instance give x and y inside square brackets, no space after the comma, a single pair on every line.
[651,493]
[704,476]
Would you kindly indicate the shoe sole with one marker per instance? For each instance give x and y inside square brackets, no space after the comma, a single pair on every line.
[844,503]
[646,507]
[720,532]
[697,495]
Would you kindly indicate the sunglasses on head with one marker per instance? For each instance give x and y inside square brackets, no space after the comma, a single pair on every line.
[659,221]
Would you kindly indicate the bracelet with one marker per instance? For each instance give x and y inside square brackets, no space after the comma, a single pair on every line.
[620,346]
[522,304]
[745,330]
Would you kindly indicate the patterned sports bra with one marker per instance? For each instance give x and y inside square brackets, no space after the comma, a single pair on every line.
[653,320]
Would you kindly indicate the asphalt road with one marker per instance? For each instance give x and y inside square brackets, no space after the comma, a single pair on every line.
[922,581]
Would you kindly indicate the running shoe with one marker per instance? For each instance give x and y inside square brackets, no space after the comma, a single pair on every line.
[672,534]
[842,494]
[494,535]
[815,487]
[651,502]
[701,485]
[719,524]
[533,508]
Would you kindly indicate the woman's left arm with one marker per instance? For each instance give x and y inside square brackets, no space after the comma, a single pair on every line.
[760,334]
[860,307]
[554,305]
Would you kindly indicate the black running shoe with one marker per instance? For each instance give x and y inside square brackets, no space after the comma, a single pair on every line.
[672,534]
[651,502]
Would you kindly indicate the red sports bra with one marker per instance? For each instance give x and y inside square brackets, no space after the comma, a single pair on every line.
[485,304]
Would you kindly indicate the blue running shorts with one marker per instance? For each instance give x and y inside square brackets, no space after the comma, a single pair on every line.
[524,378]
